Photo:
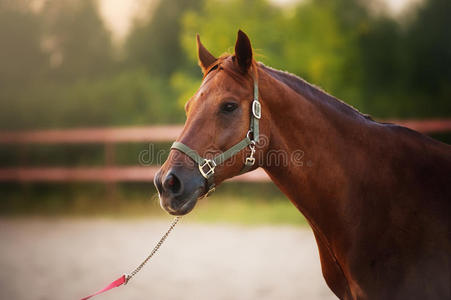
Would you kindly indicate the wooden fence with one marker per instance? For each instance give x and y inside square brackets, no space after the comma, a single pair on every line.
[111,136]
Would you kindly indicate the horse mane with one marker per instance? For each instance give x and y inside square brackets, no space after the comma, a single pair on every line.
[311,91]
[299,85]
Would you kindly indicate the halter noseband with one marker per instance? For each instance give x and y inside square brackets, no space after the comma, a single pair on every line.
[207,166]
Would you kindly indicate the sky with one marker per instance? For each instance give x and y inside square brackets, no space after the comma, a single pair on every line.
[119,14]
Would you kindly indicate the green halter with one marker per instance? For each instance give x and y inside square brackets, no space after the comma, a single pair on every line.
[207,166]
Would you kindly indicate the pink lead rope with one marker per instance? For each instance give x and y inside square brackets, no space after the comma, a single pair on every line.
[124,279]
[116,283]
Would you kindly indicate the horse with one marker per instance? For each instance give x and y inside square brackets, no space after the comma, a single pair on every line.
[377,196]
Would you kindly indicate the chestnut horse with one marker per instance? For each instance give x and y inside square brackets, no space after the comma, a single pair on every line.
[377,196]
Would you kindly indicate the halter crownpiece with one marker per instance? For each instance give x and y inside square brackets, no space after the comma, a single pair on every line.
[207,166]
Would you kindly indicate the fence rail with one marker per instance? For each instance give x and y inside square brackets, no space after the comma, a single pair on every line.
[110,136]
[156,133]
[92,135]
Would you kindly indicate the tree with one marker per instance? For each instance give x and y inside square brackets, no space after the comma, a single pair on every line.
[21,58]
[155,43]
[79,44]
[428,58]
[307,39]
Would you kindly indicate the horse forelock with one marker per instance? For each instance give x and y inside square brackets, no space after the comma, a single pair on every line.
[226,63]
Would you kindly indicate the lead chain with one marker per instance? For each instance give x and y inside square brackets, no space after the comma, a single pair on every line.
[155,249]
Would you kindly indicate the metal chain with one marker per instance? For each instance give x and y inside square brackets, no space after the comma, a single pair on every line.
[155,249]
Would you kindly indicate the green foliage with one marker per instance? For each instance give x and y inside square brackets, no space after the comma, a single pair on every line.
[428,67]
[154,43]
[218,21]
[21,59]
[308,40]
[59,68]
[368,60]
[75,37]
[185,85]
[129,97]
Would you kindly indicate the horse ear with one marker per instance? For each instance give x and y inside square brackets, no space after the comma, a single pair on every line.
[206,59]
[243,51]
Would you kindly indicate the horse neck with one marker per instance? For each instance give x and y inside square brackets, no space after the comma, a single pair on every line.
[317,137]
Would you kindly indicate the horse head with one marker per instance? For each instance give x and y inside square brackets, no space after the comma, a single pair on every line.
[220,136]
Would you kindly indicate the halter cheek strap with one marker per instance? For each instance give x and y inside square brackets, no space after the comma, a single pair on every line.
[207,166]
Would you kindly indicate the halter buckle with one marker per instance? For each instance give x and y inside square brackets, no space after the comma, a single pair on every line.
[209,165]
[256,109]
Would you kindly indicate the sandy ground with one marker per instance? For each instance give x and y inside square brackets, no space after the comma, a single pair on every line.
[68,259]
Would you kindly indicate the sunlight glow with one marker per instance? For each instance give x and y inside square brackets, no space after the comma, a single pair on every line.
[119,14]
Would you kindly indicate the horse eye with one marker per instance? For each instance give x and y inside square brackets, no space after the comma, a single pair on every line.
[228,107]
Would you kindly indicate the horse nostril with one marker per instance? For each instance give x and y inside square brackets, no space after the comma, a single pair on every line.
[157,182]
[172,183]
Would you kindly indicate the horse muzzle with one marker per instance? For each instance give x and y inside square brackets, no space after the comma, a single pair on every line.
[179,189]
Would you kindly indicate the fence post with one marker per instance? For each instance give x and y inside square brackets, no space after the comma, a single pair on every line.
[111,188]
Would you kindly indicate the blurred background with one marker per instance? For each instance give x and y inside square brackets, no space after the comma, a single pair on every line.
[92,95]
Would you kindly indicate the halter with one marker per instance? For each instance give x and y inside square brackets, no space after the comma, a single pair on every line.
[207,166]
